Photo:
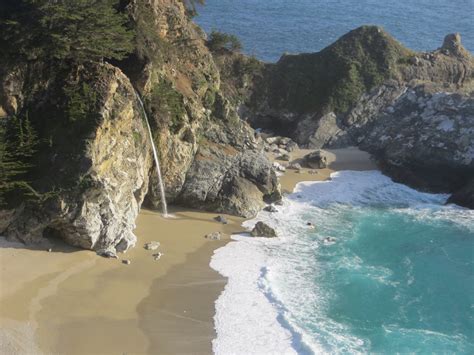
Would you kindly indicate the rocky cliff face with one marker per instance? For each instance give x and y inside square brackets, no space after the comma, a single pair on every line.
[412,111]
[90,175]
[202,141]
[304,96]
[93,168]
[423,138]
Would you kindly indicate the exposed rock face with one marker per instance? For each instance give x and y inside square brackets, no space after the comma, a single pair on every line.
[315,160]
[325,132]
[230,181]
[412,111]
[464,196]
[452,44]
[307,96]
[93,188]
[95,185]
[211,159]
[424,139]
[263,230]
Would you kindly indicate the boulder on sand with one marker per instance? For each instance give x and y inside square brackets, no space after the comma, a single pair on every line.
[315,160]
[263,230]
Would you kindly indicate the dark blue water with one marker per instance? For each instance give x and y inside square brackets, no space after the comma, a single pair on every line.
[268,28]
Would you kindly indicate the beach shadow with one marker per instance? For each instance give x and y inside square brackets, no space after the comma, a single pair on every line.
[51,244]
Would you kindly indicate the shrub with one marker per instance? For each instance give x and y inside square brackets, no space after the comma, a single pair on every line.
[219,41]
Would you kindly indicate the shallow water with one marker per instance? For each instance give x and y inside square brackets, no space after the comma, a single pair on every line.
[267,28]
[398,278]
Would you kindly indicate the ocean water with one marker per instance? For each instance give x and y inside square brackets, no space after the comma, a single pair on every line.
[268,28]
[397,275]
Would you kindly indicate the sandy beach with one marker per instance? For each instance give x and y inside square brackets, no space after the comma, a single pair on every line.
[70,301]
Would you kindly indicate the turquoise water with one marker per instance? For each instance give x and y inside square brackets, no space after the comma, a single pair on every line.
[400,276]
[397,282]
[397,275]
[269,28]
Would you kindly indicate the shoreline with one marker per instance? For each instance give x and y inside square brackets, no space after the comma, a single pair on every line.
[164,306]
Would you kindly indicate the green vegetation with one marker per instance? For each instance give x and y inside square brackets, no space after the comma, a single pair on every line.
[18,144]
[333,79]
[76,31]
[166,103]
[81,100]
[147,42]
[248,66]
[219,41]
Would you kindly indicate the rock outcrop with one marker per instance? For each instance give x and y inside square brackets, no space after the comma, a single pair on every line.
[412,111]
[92,173]
[315,160]
[263,230]
[464,196]
[422,138]
[211,159]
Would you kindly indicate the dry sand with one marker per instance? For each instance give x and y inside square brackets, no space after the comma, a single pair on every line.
[70,301]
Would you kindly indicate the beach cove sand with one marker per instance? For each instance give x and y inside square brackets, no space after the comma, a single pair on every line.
[70,301]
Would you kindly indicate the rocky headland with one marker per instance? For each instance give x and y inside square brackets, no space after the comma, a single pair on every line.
[91,168]
[414,112]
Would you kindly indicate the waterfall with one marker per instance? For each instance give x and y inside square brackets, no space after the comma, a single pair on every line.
[157,161]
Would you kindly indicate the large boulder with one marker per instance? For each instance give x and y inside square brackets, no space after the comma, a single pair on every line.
[324,132]
[223,179]
[263,230]
[315,160]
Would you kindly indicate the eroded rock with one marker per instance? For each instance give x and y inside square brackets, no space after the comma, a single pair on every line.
[315,160]
[262,229]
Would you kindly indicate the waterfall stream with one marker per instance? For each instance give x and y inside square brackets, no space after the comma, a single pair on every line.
[157,161]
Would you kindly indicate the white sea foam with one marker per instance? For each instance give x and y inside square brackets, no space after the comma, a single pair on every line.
[260,311]
[246,322]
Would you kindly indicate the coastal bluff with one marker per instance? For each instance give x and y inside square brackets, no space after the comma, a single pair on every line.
[89,169]
[412,111]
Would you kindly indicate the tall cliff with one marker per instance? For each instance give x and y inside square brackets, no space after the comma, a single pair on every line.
[91,169]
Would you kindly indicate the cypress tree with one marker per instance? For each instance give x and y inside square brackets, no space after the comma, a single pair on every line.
[74,30]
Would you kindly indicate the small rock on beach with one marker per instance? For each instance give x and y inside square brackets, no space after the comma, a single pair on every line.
[214,236]
[152,245]
[221,219]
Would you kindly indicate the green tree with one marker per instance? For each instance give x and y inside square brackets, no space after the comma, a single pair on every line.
[219,41]
[18,144]
[75,30]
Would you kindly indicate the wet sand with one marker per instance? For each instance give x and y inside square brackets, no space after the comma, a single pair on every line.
[70,301]
[338,159]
